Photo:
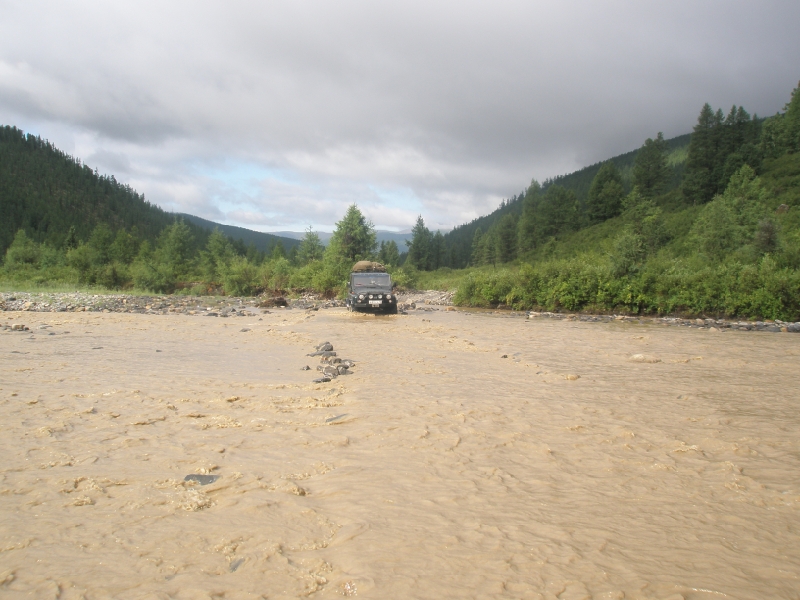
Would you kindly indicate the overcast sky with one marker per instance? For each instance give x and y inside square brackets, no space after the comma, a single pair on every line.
[278,115]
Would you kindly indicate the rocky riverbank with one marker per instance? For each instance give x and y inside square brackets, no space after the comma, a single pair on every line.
[208,306]
[227,306]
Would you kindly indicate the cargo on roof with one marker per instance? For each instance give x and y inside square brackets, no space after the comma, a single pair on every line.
[368,266]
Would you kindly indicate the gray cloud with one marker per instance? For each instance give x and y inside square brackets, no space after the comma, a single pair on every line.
[278,115]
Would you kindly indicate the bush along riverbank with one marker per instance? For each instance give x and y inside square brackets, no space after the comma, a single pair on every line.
[764,290]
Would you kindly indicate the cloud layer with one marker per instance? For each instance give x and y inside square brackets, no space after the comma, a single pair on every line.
[276,116]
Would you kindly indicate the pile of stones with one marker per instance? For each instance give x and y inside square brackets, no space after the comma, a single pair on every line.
[331,366]
[430,297]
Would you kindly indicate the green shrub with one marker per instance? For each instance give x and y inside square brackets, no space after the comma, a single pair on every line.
[153,276]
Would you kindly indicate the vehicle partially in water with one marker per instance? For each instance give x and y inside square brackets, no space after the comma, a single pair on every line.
[370,289]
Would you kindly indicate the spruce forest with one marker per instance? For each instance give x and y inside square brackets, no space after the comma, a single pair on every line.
[707,223]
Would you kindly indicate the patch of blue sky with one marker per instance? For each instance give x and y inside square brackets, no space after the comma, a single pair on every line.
[246,177]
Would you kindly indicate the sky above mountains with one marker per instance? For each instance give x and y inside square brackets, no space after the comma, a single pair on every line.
[278,115]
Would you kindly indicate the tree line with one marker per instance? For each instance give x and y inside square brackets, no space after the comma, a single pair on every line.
[174,262]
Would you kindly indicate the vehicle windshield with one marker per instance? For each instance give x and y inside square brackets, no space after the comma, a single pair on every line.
[371,281]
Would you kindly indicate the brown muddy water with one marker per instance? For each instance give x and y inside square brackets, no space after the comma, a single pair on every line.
[438,469]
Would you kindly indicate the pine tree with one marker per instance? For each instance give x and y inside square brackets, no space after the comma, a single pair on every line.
[650,170]
[438,256]
[419,247]
[476,255]
[389,254]
[698,184]
[605,195]
[354,237]
[527,226]
[507,238]
[311,248]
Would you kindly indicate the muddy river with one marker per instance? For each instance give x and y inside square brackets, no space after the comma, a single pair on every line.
[466,456]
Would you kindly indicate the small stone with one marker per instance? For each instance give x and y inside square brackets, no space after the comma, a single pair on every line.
[201,479]
[322,380]
[504,356]
[644,358]
[306,368]
[243,329]
[572,377]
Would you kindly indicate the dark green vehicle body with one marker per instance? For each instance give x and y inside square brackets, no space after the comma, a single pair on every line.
[371,292]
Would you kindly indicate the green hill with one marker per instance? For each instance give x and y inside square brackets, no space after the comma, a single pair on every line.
[459,241]
[263,242]
[45,193]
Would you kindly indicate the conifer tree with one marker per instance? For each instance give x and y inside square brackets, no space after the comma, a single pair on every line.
[389,253]
[438,256]
[507,238]
[476,256]
[354,237]
[650,170]
[527,226]
[698,183]
[605,195]
[311,248]
[419,247]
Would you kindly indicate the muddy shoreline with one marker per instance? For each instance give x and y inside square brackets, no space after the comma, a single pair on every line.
[408,301]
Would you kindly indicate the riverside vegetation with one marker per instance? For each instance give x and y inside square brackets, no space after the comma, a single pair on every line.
[703,224]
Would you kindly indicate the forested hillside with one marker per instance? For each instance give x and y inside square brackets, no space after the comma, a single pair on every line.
[51,195]
[457,249]
[708,228]
[263,242]
[46,192]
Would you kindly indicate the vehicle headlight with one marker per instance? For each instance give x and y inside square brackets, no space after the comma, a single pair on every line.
[361,296]
[370,296]
[380,296]
[388,296]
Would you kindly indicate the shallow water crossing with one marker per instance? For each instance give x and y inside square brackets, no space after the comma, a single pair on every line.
[595,461]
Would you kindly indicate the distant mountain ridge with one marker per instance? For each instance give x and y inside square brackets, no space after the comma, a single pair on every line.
[264,242]
[399,237]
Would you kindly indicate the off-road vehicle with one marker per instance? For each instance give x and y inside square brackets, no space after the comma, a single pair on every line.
[370,289]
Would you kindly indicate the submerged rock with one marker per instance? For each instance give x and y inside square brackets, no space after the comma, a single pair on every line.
[644,358]
[201,479]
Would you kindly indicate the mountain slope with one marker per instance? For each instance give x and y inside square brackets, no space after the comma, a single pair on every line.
[459,240]
[263,242]
[45,192]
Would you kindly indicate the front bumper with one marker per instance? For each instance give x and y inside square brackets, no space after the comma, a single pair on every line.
[381,304]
